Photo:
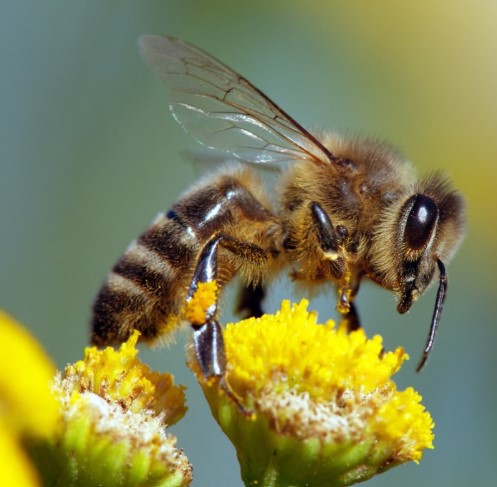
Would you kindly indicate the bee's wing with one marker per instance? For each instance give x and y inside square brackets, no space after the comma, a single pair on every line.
[207,159]
[223,110]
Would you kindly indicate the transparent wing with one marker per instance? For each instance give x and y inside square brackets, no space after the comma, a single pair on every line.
[207,159]
[223,110]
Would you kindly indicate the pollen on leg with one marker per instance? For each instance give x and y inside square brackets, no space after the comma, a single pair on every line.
[196,309]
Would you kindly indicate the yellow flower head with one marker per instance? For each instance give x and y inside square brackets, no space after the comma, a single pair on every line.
[325,409]
[115,413]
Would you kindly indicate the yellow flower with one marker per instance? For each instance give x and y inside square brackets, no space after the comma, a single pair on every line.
[28,411]
[325,410]
[115,414]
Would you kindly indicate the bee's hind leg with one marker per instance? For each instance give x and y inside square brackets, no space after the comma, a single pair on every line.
[208,342]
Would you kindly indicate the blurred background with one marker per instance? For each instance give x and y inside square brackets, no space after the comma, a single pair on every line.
[89,154]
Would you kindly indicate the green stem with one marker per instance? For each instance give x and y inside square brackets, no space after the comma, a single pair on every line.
[270,478]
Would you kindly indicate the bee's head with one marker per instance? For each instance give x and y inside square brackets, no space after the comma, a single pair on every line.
[417,234]
[418,222]
[430,225]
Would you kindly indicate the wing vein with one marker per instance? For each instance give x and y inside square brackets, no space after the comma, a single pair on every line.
[223,110]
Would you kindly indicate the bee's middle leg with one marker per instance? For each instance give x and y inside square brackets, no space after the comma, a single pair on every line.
[250,301]
[352,318]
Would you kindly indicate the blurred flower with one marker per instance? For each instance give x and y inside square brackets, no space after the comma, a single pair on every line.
[325,411]
[28,411]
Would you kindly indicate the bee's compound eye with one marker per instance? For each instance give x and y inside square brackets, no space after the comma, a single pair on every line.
[420,221]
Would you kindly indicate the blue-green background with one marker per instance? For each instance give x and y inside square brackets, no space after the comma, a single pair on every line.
[89,154]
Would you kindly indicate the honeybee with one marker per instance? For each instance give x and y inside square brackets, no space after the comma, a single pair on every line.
[347,208]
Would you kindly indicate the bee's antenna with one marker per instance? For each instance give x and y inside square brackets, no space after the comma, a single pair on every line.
[437,312]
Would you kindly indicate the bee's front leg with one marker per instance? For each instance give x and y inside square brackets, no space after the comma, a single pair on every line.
[327,236]
[333,240]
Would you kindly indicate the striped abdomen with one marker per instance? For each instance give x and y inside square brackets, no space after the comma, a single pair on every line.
[147,287]
[144,289]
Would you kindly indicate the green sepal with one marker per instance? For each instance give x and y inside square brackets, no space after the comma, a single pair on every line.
[274,459]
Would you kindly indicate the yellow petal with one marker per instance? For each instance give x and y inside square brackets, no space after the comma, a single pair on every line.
[27,404]
[15,469]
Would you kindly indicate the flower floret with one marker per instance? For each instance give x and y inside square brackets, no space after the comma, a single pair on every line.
[119,376]
[318,359]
